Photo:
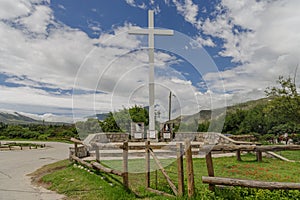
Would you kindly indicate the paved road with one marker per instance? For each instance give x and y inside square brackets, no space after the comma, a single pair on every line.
[15,165]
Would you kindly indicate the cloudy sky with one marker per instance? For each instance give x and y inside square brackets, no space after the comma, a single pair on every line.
[75,57]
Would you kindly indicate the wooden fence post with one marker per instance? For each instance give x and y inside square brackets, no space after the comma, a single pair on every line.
[210,169]
[238,155]
[189,168]
[125,164]
[76,149]
[259,156]
[147,155]
[97,153]
[180,169]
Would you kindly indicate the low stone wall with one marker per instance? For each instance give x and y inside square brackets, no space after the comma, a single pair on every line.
[249,138]
[110,137]
[81,152]
[204,137]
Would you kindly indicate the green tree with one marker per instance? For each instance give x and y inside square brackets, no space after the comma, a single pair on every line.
[281,114]
[287,88]
[109,124]
[203,127]
[284,106]
[121,121]
[233,121]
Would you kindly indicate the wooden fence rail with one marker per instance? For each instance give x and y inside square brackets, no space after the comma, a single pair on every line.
[106,169]
[208,148]
[173,187]
[250,183]
[212,181]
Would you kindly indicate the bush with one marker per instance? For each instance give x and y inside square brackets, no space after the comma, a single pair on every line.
[43,137]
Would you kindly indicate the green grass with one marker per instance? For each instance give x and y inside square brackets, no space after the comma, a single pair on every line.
[291,155]
[79,184]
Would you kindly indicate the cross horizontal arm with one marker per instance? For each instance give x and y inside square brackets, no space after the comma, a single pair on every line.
[139,31]
[163,32]
[148,31]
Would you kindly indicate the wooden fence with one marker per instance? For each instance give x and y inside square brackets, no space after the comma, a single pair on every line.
[96,165]
[149,152]
[212,180]
[186,149]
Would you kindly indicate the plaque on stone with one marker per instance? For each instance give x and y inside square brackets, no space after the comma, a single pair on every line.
[152,134]
[167,131]
[137,130]
[167,135]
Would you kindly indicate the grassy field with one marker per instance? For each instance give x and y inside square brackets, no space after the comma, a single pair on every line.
[77,183]
[292,155]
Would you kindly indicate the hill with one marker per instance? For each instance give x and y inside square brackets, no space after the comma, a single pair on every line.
[12,117]
[206,115]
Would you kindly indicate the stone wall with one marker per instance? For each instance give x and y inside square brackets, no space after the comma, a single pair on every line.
[81,151]
[109,137]
[204,137]
[249,138]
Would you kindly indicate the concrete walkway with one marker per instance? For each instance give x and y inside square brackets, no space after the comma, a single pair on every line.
[16,164]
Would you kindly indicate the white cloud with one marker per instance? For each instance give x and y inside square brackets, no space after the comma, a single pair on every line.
[130,2]
[38,20]
[205,42]
[61,7]
[63,54]
[189,11]
[13,9]
[94,25]
[263,36]
[134,4]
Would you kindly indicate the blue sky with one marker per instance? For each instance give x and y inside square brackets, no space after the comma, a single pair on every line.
[74,57]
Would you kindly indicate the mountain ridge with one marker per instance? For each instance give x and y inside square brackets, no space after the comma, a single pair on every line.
[14,117]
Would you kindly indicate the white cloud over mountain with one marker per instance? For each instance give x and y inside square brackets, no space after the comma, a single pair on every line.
[40,54]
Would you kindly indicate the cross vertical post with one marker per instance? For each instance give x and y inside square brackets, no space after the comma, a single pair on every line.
[151,32]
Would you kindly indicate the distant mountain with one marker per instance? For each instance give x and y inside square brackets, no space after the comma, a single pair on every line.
[102,116]
[206,115]
[13,117]
[16,118]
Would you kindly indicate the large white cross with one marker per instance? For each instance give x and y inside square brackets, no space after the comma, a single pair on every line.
[151,32]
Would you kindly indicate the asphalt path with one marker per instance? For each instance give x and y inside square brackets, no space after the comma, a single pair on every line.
[15,165]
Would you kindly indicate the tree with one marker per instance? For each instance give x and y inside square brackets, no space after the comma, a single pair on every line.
[121,121]
[281,114]
[284,106]
[109,124]
[203,127]
[286,88]
[233,121]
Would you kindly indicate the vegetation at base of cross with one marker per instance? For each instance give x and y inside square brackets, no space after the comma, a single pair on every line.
[37,131]
[79,184]
[115,122]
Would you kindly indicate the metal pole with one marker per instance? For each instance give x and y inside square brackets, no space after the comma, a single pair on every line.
[170,100]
